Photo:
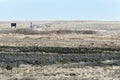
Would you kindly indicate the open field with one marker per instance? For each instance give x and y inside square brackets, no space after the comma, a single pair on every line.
[60,50]
[61,72]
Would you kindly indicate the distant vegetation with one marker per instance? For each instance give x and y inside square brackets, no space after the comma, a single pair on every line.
[35,32]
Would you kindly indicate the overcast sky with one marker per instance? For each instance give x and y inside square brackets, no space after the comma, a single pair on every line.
[59,10]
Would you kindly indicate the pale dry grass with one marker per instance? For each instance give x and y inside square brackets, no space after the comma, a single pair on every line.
[106,35]
[54,40]
[57,72]
[62,37]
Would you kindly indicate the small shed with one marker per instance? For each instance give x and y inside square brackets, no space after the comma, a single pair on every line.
[13,25]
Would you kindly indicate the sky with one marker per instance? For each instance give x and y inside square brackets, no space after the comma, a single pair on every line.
[22,10]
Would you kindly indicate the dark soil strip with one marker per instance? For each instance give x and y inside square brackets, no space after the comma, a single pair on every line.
[61,50]
[12,57]
[14,60]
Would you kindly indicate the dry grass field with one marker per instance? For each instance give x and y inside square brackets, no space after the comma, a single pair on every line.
[60,50]
[58,72]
